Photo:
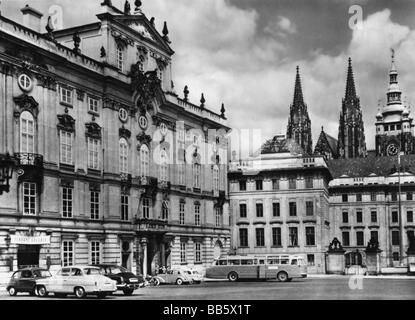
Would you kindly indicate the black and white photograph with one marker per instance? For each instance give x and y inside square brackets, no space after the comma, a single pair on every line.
[224,151]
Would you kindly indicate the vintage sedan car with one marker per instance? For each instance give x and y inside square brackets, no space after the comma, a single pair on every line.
[77,280]
[24,280]
[195,275]
[172,277]
[127,281]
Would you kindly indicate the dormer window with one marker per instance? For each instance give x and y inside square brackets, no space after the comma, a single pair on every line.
[66,95]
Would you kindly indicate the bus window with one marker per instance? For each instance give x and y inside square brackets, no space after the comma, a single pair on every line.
[234,262]
[223,262]
[247,262]
[294,262]
[261,261]
[284,260]
[273,261]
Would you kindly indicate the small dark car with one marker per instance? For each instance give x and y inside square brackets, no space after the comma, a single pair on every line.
[126,280]
[24,280]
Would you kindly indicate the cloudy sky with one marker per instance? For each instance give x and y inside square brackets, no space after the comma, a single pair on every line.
[244,53]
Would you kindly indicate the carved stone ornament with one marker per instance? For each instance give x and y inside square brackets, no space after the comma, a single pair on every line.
[66,123]
[93,130]
[124,133]
[335,246]
[144,139]
[25,103]
[146,86]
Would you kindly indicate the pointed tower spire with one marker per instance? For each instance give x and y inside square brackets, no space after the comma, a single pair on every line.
[298,91]
[350,86]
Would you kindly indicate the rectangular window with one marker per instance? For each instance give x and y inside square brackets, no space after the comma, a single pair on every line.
[359,216]
[67,198]
[309,208]
[345,217]
[310,260]
[182,174]
[66,95]
[181,213]
[146,208]
[344,198]
[293,236]
[95,252]
[67,253]
[196,175]
[29,198]
[309,182]
[360,241]
[276,209]
[395,256]
[66,147]
[374,235]
[395,218]
[94,205]
[93,105]
[198,252]
[359,197]
[120,58]
[394,196]
[242,185]
[218,217]
[310,236]
[276,184]
[409,196]
[373,216]
[259,210]
[292,183]
[346,238]
[276,237]
[242,210]
[395,238]
[182,252]
[124,207]
[123,156]
[409,216]
[243,237]
[258,184]
[93,154]
[197,214]
[373,197]
[293,209]
[260,237]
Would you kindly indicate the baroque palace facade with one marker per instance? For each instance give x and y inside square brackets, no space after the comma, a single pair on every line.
[112,166]
[288,198]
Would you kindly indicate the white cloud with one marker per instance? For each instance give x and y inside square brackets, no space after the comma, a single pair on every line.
[281,27]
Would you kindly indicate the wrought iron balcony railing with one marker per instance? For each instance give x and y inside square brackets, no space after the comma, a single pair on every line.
[150,225]
[29,159]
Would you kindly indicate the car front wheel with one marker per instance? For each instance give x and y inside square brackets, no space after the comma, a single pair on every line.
[41,291]
[12,291]
[179,282]
[80,292]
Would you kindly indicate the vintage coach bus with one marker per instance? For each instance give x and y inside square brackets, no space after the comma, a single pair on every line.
[281,267]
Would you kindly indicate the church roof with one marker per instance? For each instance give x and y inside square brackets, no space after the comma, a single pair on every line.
[365,167]
[326,141]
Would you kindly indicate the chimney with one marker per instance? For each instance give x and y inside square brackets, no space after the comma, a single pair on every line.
[32,18]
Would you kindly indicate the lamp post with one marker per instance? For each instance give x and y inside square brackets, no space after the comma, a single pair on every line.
[6,172]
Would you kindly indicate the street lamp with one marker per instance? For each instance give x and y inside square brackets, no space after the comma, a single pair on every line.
[6,171]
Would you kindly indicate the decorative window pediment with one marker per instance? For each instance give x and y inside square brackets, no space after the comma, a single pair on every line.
[26,103]
[66,123]
[144,138]
[93,130]
[124,133]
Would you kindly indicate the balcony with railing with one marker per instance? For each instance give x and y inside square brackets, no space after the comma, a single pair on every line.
[145,225]
[29,167]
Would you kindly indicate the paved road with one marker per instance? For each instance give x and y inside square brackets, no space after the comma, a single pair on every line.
[308,289]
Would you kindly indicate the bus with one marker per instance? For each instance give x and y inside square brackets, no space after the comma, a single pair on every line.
[281,267]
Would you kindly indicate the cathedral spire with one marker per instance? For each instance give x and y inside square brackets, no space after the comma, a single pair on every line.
[350,86]
[298,90]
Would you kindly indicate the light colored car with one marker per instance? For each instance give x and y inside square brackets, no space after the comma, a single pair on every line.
[77,280]
[172,276]
[193,274]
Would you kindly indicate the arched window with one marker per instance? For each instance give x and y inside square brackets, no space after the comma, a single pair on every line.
[144,161]
[215,178]
[164,169]
[123,154]
[27,133]
[196,175]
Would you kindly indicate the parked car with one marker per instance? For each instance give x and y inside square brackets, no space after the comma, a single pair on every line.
[193,274]
[172,277]
[126,280]
[24,280]
[77,280]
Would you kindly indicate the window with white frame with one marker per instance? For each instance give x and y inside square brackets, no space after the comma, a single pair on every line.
[120,58]
[124,207]
[29,198]
[198,252]
[197,214]
[66,147]
[181,212]
[145,206]
[215,178]
[182,174]
[182,252]
[27,132]
[93,105]
[66,95]
[165,211]
[218,214]
[95,252]
[144,161]
[68,253]
[164,166]
[67,202]
[93,153]
[123,155]
[196,175]
[94,205]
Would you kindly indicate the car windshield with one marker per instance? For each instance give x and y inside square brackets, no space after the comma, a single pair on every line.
[41,273]
[117,270]
[92,271]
